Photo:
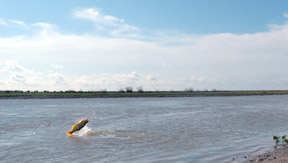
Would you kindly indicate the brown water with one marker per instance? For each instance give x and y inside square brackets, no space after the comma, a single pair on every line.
[197,129]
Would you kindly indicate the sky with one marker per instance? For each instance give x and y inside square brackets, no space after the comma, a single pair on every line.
[93,45]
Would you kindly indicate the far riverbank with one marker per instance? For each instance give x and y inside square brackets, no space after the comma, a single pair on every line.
[107,94]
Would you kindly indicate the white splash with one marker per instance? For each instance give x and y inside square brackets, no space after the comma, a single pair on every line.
[85,131]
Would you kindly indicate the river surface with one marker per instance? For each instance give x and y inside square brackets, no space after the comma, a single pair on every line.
[193,129]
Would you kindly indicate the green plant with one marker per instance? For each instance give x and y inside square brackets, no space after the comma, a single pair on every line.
[140,89]
[276,139]
[189,90]
[284,141]
[129,89]
[121,90]
[103,91]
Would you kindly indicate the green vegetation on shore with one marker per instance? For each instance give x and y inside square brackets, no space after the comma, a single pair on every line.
[122,93]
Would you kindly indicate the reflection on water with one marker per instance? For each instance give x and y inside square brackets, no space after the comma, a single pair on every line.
[199,129]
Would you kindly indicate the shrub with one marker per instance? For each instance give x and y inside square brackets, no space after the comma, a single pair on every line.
[129,89]
[189,90]
[103,91]
[121,90]
[140,89]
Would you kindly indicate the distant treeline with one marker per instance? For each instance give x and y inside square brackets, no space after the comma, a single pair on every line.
[130,93]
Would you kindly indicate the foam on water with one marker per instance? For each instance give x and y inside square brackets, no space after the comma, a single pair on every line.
[87,131]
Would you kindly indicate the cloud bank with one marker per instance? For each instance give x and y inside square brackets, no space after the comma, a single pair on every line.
[46,59]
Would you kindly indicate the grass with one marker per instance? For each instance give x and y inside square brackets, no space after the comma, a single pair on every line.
[111,94]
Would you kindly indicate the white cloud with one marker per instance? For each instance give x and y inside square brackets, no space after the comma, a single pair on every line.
[200,79]
[18,75]
[43,25]
[18,22]
[14,76]
[89,13]
[42,28]
[58,79]
[3,22]
[45,28]
[111,20]
[106,23]
[164,65]
[285,15]
[112,82]
[96,17]
[56,66]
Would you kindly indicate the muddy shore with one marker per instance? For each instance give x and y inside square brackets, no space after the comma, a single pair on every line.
[276,156]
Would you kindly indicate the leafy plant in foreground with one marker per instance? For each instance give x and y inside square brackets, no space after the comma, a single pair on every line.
[277,139]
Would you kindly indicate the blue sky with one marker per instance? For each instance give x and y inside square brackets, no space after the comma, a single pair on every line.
[159,45]
[189,16]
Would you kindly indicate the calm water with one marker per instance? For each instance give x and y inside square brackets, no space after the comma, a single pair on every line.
[199,129]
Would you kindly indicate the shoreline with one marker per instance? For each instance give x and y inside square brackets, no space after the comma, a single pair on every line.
[279,155]
[81,94]
[55,95]
[148,94]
